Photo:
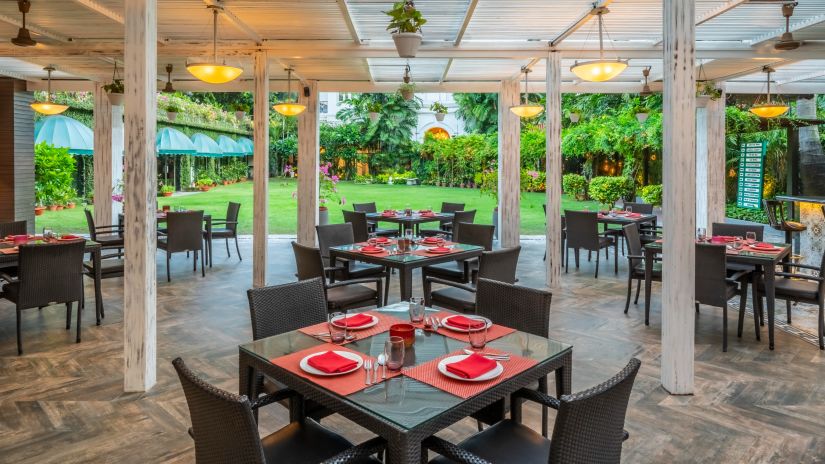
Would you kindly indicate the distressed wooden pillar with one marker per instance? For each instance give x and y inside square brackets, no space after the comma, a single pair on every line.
[102,163]
[710,163]
[308,153]
[17,197]
[679,168]
[139,308]
[509,165]
[554,167]
[260,167]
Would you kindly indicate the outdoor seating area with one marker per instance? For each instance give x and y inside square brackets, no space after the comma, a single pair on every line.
[397,232]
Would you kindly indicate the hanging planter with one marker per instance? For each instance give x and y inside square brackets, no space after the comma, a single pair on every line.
[440,111]
[407,91]
[574,117]
[115,89]
[705,90]
[642,116]
[171,112]
[374,110]
[240,110]
[405,25]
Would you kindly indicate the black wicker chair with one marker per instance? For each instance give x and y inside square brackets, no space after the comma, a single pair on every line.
[111,266]
[331,235]
[589,428]
[714,287]
[50,273]
[229,229]
[461,271]
[741,230]
[11,228]
[372,226]
[343,295]
[108,236]
[184,233]
[636,266]
[498,265]
[225,431]
[444,226]
[583,233]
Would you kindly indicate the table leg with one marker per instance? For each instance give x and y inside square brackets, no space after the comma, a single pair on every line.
[405,279]
[98,291]
[246,378]
[564,376]
[401,449]
[648,280]
[768,273]
[209,239]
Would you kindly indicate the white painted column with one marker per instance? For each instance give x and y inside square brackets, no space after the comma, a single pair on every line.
[509,165]
[260,168]
[679,168]
[102,159]
[553,171]
[139,305]
[118,154]
[308,159]
[710,163]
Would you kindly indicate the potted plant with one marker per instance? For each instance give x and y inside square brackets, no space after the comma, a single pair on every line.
[642,113]
[172,111]
[574,116]
[115,92]
[167,190]
[440,110]
[374,109]
[204,184]
[240,110]
[407,90]
[405,25]
[38,209]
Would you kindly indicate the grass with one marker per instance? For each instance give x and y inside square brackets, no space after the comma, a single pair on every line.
[283,207]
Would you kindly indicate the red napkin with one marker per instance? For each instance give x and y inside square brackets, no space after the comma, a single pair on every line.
[461,322]
[722,238]
[634,215]
[355,321]
[371,249]
[20,239]
[472,366]
[425,211]
[381,240]
[440,249]
[70,237]
[331,363]
[388,214]
[763,245]
[431,240]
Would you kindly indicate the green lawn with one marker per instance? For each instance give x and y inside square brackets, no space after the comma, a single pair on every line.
[282,206]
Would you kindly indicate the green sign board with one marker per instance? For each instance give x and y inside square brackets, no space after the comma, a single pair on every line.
[751,175]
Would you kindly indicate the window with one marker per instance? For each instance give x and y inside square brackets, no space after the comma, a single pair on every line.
[324,107]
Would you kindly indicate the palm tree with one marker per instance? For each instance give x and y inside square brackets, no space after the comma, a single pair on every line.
[479,111]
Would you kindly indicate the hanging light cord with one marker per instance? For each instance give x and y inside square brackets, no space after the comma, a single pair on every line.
[601,40]
[48,84]
[215,35]
[526,81]
[289,84]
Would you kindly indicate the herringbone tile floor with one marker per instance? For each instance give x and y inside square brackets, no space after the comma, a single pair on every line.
[63,402]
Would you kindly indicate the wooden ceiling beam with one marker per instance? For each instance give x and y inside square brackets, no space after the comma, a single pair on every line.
[468,16]
[353,31]
[802,77]
[581,21]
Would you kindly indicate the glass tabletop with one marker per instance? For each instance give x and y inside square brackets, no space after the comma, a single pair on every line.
[403,258]
[402,400]
[743,253]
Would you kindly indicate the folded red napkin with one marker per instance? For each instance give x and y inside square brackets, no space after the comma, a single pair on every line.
[439,249]
[331,363]
[722,238]
[355,321]
[381,240]
[472,366]
[425,211]
[634,215]
[70,237]
[762,245]
[388,214]
[431,240]
[20,239]
[371,249]
[462,322]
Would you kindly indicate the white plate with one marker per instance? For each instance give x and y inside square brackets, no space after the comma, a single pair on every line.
[311,370]
[445,323]
[442,367]
[360,327]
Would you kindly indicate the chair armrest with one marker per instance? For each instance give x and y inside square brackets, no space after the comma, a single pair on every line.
[271,398]
[452,452]
[634,256]
[538,397]
[334,268]
[800,276]
[365,280]
[224,222]
[358,453]
[735,277]
[7,278]
[802,266]
[436,280]
[103,228]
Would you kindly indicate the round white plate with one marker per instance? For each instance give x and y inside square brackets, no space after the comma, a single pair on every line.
[445,323]
[442,367]
[311,370]
[360,327]
[773,248]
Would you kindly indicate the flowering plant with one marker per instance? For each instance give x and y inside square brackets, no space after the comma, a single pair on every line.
[328,186]
[117,192]
[289,171]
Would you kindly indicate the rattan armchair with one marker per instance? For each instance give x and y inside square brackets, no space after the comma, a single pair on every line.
[111,266]
[331,235]
[636,266]
[108,236]
[11,228]
[583,233]
[714,287]
[462,271]
[372,226]
[444,226]
[184,233]
[227,228]
[498,265]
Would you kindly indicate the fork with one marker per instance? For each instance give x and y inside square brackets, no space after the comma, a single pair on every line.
[368,369]
[495,357]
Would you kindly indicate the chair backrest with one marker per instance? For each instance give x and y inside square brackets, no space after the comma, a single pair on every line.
[223,426]
[582,229]
[308,261]
[644,208]
[499,265]
[475,234]
[12,228]
[232,210]
[590,424]
[365,207]
[447,207]
[522,308]
[184,230]
[90,222]
[634,243]
[737,230]
[711,286]
[358,219]
[330,235]
[50,273]
[462,217]
[282,308]
[775,210]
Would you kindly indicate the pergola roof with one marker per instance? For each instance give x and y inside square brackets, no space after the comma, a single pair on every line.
[469,45]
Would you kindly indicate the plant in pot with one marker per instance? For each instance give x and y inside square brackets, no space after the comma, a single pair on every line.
[407,90]
[439,109]
[240,110]
[642,113]
[706,91]
[115,90]
[204,184]
[166,190]
[328,192]
[172,111]
[374,110]
[405,25]
[38,209]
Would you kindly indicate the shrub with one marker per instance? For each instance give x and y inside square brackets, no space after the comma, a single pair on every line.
[53,174]
[532,181]
[359,179]
[607,190]
[166,188]
[745,214]
[652,194]
[574,184]
[204,182]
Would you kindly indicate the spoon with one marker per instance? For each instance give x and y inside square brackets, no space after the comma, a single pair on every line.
[382,361]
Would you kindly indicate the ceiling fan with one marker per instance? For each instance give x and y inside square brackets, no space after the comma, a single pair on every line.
[786,41]
[24,37]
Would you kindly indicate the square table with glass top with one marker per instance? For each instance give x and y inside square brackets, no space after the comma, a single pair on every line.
[403,410]
[404,262]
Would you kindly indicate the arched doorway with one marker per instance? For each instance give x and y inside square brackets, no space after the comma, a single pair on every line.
[438,133]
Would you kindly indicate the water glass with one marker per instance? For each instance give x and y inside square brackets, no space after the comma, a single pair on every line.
[737,243]
[337,333]
[394,353]
[372,238]
[750,237]
[48,233]
[478,337]
[628,209]
[701,234]
[439,239]
[408,234]
[417,310]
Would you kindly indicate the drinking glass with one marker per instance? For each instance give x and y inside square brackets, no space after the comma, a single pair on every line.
[439,239]
[372,238]
[750,237]
[737,243]
[48,233]
[408,234]
[628,209]
[416,310]
[394,352]
[337,334]
[701,234]
[478,337]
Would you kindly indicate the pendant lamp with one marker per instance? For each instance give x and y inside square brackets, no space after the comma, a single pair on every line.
[769,109]
[289,108]
[47,107]
[526,109]
[214,72]
[599,70]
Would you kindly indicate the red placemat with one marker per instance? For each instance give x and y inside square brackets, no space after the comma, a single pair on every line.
[428,373]
[9,251]
[495,331]
[424,252]
[345,384]
[384,323]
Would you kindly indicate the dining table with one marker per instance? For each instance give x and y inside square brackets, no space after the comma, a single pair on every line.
[160,216]
[419,399]
[413,220]
[764,264]
[405,262]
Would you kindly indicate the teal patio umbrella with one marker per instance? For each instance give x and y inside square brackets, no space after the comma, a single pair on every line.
[229,146]
[65,132]
[246,144]
[205,145]
[173,142]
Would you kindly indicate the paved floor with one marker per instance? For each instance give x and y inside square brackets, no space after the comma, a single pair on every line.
[63,402]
